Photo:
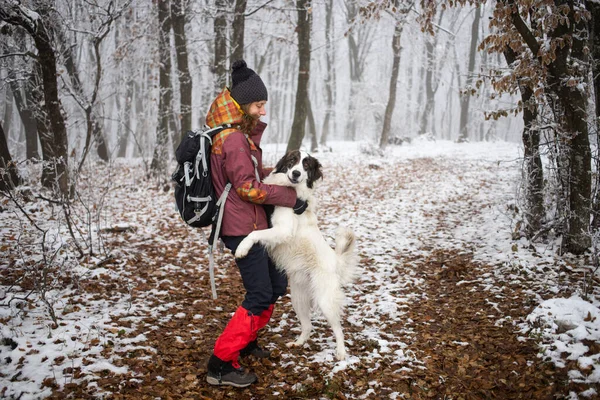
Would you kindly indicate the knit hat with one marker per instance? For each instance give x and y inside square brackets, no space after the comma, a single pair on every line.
[246,85]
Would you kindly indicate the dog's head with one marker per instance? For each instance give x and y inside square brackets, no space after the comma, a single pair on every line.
[300,167]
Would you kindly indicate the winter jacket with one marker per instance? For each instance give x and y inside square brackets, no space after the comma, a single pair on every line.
[231,162]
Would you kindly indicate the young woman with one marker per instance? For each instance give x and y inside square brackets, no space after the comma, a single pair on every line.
[237,159]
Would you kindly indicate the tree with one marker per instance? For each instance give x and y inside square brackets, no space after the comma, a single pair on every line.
[19,74]
[9,176]
[533,170]
[25,107]
[359,43]
[183,69]
[594,27]
[34,23]
[463,135]
[159,159]
[552,61]
[105,18]
[549,40]
[329,74]
[220,60]
[300,112]
[239,22]
[400,17]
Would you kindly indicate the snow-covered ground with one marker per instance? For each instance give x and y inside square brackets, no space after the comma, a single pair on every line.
[391,213]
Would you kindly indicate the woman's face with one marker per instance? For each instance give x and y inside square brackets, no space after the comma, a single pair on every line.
[257,109]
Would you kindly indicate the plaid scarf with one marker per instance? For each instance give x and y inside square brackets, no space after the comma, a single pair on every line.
[224,110]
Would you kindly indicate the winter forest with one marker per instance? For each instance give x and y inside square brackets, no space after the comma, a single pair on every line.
[459,141]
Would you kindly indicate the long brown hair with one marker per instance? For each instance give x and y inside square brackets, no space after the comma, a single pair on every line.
[248,122]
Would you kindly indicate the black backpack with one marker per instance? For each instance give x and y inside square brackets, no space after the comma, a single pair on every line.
[194,192]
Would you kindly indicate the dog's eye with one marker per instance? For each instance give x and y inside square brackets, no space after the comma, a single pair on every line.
[306,163]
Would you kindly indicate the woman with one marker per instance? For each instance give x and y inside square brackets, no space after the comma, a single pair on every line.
[237,159]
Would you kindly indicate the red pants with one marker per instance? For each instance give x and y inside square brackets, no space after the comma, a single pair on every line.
[241,330]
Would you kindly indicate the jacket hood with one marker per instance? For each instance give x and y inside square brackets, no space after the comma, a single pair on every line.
[224,110]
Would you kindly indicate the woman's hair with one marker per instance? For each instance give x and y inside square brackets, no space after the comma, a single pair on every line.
[248,122]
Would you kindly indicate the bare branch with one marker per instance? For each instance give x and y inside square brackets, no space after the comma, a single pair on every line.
[523,29]
[26,54]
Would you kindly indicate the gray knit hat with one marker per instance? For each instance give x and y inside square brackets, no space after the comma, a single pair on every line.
[246,85]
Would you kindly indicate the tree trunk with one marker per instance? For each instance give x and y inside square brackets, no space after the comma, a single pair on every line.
[330,69]
[159,159]
[93,126]
[126,122]
[359,41]
[534,173]
[570,106]
[239,21]
[594,28]
[31,21]
[220,62]
[409,124]
[466,97]
[8,111]
[9,177]
[185,79]
[312,126]
[25,107]
[44,132]
[574,103]
[47,60]
[578,239]
[303,29]
[429,93]
[389,109]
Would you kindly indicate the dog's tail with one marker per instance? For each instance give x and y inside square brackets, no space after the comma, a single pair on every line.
[347,259]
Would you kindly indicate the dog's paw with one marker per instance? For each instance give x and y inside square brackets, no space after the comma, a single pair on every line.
[279,179]
[296,343]
[340,354]
[243,249]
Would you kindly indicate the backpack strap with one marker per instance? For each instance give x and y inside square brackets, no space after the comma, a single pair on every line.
[254,160]
[214,236]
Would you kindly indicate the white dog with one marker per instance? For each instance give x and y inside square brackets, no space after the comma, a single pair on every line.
[315,271]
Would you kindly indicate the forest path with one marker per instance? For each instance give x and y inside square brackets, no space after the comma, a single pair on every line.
[466,338]
[424,320]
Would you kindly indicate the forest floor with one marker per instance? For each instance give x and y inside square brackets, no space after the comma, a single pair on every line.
[439,311]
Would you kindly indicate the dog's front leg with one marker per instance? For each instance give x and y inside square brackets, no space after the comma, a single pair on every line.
[245,245]
[284,225]
[277,178]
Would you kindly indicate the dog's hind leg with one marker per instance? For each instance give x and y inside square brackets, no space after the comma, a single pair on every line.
[329,300]
[301,301]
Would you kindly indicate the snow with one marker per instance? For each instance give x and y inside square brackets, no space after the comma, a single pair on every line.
[387,222]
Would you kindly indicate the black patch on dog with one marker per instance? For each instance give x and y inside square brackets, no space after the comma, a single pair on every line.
[269,208]
[312,166]
[287,161]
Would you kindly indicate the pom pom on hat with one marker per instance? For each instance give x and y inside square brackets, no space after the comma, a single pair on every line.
[246,85]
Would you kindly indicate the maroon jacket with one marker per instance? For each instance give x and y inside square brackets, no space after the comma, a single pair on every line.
[231,162]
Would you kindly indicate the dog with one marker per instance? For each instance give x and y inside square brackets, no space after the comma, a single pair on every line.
[315,271]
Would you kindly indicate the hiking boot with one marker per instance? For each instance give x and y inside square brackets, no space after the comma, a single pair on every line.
[228,373]
[255,350]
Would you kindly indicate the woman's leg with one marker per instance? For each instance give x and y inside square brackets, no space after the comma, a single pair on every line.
[243,326]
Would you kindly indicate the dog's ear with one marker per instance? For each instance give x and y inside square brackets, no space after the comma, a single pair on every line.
[314,172]
[281,165]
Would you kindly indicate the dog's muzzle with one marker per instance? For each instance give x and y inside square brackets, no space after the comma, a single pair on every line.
[295,176]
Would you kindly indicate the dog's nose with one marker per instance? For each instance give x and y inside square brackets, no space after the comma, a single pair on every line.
[295,174]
